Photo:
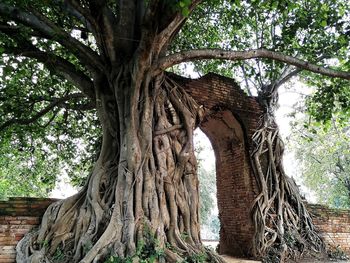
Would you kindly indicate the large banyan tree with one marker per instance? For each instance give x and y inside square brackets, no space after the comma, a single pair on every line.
[140,200]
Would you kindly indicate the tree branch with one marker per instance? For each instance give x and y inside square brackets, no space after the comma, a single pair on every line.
[290,72]
[284,79]
[49,30]
[55,103]
[100,21]
[53,62]
[165,37]
[104,21]
[125,27]
[246,80]
[73,8]
[65,69]
[199,54]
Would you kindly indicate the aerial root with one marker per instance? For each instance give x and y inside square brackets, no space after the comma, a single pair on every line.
[283,225]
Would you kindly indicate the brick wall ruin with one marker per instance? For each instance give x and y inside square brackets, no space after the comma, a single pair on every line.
[334,226]
[17,217]
[230,115]
[20,215]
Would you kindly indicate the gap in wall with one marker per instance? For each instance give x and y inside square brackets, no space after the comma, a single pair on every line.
[210,224]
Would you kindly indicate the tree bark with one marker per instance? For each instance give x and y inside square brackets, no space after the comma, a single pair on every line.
[143,191]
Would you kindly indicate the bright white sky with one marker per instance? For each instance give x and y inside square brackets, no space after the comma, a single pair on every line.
[63,188]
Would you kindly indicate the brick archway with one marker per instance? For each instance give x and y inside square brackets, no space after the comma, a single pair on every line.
[232,118]
[234,184]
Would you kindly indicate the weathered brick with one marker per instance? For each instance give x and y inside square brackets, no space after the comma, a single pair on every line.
[333,225]
[17,217]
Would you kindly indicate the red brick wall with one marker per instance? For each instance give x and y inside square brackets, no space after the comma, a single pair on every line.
[18,216]
[232,118]
[334,226]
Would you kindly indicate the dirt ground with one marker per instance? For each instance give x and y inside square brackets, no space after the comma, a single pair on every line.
[325,261]
[229,259]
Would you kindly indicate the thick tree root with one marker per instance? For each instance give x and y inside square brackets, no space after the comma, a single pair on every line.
[283,226]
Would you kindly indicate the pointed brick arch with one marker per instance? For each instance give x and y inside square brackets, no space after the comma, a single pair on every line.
[230,121]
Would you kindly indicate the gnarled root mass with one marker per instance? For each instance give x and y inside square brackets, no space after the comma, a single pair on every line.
[283,226]
[141,200]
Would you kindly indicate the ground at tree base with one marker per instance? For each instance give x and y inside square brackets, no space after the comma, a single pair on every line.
[323,261]
[230,259]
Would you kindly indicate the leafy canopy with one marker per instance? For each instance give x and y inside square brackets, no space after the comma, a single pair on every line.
[314,31]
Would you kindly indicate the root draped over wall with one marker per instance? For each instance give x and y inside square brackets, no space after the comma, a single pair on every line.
[283,225]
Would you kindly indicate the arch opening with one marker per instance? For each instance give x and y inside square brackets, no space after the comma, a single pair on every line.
[209,215]
[235,191]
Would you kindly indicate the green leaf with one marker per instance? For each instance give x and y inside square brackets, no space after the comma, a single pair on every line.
[324,7]
[274,5]
[185,11]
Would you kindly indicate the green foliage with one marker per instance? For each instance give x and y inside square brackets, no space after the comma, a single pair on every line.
[324,154]
[308,29]
[331,98]
[148,250]
[58,255]
[207,184]
[337,253]
[196,258]
[44,244]
[37,123]
[207,192]
[272,255]
[303,28]
[36,148]
[184,7]
[114,259]
[214,226]
[17,177]
[184,236]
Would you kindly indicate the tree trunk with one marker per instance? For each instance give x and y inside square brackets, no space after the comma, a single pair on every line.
[141,199]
